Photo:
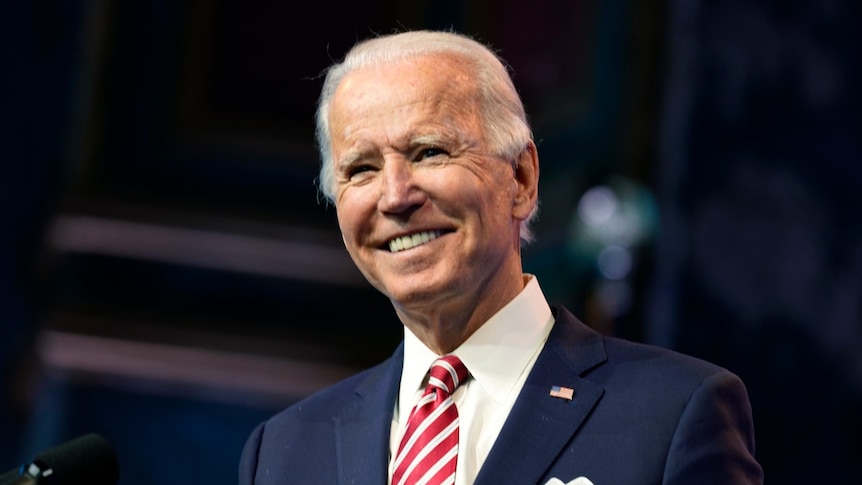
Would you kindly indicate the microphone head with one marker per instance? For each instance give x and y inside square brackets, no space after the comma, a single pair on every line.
[86,460]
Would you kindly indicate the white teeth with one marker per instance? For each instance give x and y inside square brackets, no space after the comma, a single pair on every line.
[411,241]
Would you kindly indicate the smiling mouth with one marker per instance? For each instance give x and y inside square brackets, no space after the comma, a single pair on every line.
[412,240]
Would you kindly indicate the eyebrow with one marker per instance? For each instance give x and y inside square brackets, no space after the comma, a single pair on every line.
[445,138]
[435,138]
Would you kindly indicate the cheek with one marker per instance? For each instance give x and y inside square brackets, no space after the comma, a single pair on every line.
[353,214]
[348,231]
[345,221]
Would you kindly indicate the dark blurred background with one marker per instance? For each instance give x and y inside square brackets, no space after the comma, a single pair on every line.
[169,276]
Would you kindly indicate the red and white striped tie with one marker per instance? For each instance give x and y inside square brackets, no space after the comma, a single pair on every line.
[429,449]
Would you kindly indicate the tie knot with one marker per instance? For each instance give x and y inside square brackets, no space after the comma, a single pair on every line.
[447,373]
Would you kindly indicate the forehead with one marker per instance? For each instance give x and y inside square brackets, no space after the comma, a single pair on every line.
[440,83]
[437,69]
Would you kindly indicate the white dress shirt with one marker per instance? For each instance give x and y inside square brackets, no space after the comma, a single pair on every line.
[499,356]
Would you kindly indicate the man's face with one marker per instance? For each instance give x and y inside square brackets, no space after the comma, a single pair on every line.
[426,213]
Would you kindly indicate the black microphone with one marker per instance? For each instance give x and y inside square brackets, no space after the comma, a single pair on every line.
[86,460]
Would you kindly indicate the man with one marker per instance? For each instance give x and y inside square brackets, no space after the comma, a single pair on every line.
[429,160]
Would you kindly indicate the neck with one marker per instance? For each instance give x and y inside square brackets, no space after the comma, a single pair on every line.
[444,327]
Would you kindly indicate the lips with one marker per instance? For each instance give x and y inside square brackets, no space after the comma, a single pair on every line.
[412,240]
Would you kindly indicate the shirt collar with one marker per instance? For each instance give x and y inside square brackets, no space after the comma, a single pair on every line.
[496,355]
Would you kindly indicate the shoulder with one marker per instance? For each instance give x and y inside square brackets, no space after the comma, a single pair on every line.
[667,380]
[672,414]
[329,402]
[660,380]
[300,440]
[616,358]
[651,360]
[699,412]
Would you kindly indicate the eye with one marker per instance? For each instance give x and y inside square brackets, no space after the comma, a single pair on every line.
[358,170]
[430,152]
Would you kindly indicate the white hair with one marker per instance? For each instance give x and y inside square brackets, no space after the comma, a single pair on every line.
[501,111]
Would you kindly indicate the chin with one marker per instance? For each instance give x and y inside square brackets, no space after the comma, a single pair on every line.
[414,295]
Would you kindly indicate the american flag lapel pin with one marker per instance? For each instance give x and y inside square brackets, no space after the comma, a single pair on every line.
[562,392]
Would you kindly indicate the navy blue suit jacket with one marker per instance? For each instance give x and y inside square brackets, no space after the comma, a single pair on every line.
[639,415]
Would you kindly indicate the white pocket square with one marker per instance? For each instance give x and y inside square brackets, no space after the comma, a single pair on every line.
[576,481]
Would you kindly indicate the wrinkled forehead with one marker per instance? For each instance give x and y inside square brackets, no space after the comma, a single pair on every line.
[438,84]
[426,76]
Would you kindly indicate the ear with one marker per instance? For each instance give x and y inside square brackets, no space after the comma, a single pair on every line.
[527,179]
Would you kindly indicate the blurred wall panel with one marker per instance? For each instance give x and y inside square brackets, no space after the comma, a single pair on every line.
[759,262]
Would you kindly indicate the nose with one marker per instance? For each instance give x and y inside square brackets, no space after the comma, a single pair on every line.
[399,192]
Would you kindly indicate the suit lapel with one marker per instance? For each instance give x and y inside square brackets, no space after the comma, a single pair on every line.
[539,426]
[362,431]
